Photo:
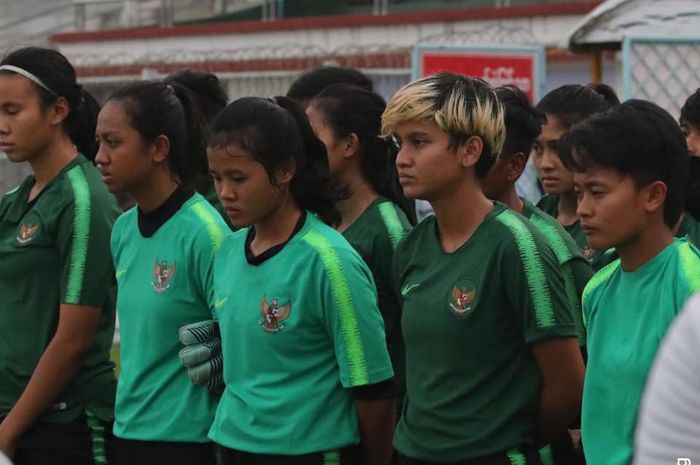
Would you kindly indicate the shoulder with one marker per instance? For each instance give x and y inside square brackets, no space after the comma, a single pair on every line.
[548,204]
[414,238]
[597,284]
[516,234]
[689,257]
[562,243]
[202,220]
[394,221]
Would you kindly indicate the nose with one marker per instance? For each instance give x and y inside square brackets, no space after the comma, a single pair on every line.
[101,157]
[584,207]
[225,190]
[403,158]
[547,161]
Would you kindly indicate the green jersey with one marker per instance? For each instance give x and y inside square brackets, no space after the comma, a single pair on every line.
[54,250]
[575,269]
[299,327]
[165,278]
[550,205]
[375,235]
[627,315]
[690,228]
[469,317]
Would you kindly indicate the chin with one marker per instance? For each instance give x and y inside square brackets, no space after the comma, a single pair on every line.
[600,243]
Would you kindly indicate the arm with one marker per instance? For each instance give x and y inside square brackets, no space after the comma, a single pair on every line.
[562,372]
[77,326]
[376,419]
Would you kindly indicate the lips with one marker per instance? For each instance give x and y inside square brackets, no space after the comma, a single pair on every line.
[5,146]
[588,229]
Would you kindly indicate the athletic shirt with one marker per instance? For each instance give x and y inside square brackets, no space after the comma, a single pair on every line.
[55,250]
[375,235]
[669,419]
[575,269]
[690,228]
[299,327]
[550,205]
[473,384]
[627,315]
[164,267]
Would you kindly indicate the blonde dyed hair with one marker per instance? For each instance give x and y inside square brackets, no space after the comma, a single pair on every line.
[461,106]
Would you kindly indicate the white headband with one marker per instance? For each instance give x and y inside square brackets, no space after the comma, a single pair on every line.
[29,76]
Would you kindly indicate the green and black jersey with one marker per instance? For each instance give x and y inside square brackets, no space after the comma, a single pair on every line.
[550,205]
[164,265]
[54,250]
[300,327]
[575,269]
[469,317]
[375,235]
[690,228]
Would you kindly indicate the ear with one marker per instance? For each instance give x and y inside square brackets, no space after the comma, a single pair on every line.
[285,174]
[59,111]
[655,196]
[350,145]
[471,150]
[515,166]
[161,148]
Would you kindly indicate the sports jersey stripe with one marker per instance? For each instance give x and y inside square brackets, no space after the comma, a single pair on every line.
[515,457]
[572,294]
[546,455]
[534,271]
[392,222]
[216,233]
[691,266]
[97,437]
[81,234]
[596,280]
[553,238]
[346,309]
[331,458]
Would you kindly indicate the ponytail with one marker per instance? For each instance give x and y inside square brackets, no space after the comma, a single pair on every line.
[572,103]
[81,124]
[350,110]
[276,132]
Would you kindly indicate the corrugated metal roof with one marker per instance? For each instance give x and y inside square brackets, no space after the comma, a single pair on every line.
[613,20]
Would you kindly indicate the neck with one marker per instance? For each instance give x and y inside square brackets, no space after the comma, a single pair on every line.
[361,196]
[645,246]
[277,226]
[511,199]
[49,163]
[566,209]
[155,192]
[459,214]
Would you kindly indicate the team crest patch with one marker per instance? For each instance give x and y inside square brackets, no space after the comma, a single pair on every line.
[26,233]
[462,297]
[272,315]
[588,253]
[162,275]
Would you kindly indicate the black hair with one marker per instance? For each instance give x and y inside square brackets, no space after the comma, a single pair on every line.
[276,132]
[352,110]
[637,139]
[572,103]
[523,121]
[155,108]
[206,88]
[309,84]
[54,70]
[690,112]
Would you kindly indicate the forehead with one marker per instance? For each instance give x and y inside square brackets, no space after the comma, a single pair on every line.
[16,88]
[551,128]
[113,115]
[597,174]
[230,157]
[406,128]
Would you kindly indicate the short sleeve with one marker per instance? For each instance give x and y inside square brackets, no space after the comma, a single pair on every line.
[210,235]
[350,313]
[536,285]
[83,240]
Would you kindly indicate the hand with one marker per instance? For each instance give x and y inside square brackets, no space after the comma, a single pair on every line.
[202,354]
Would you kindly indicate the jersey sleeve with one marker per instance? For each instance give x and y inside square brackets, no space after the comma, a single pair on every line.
[536,285]
[350,313]
[577,272]
[83,232]
[211,233]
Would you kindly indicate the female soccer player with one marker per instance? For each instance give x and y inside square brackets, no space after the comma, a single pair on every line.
[563,107]
[493,367]
[163,250]
[305,361]
[375,213]
[56,277]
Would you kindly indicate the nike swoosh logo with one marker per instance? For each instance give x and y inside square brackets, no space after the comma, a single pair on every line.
[408,288]
[120,273]
[220,302]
